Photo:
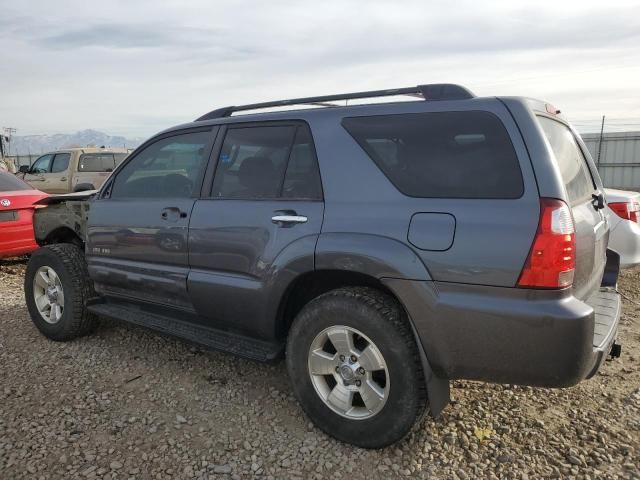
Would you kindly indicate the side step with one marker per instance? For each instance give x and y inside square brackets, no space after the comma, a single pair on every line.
[239,345]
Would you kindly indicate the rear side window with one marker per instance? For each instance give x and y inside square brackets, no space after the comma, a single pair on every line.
[60,162]
[571,161]
[302,177]
[96,162]
[442,154]
[267,162]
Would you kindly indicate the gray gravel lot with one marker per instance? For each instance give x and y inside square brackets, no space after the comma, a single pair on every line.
[127,403]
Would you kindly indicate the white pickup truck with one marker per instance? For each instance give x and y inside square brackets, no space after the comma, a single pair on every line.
[72,169]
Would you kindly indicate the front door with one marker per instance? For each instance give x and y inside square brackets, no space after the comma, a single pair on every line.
[58,180]
[137,231]
[36,175]
[258,226]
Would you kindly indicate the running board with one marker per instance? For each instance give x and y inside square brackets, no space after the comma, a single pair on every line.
[211,338]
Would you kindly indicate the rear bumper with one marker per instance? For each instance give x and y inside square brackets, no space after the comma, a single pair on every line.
[510,335]
[16,239]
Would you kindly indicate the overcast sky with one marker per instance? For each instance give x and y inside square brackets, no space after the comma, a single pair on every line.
[138,66]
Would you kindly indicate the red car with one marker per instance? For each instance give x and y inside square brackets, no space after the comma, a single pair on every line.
[16,216]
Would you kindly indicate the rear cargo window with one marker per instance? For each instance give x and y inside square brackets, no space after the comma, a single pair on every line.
[442,154]
[571,161]
[96,162]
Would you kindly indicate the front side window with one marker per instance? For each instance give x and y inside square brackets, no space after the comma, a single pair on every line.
[168,167]
[571,161]
[42,164]
[96,162]
[442,154]
[60,162]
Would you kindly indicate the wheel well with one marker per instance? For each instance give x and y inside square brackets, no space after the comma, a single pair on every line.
[63,235]
[313,284]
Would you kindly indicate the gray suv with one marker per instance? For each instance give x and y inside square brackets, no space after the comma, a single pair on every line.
[384,249]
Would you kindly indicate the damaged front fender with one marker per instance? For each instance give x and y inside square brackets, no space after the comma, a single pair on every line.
[62,218]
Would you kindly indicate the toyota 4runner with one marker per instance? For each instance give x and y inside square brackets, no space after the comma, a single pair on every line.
[384,249]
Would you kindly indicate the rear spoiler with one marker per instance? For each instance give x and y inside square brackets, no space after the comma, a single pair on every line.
[76,196]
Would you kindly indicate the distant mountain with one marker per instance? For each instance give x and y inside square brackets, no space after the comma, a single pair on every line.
[36,144]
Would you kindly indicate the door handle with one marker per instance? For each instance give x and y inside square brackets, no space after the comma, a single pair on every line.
[289,219]
[172,213]
[63,179]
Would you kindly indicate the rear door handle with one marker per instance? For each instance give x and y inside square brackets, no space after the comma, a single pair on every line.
[172,214]
[63,179]
[289,219]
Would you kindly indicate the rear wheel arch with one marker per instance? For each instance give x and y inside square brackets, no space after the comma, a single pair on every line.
[313,284]
[63,234]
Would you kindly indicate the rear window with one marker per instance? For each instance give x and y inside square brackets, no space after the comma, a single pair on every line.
[571,161]
[442,154]
[11,183]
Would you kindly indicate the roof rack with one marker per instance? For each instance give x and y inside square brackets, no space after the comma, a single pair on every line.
[435,91]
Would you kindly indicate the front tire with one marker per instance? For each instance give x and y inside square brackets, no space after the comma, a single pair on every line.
[355,367]
[57,287]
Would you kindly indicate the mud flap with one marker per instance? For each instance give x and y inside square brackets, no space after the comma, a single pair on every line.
[438,389]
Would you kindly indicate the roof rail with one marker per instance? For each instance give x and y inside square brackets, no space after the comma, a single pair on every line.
[435,91]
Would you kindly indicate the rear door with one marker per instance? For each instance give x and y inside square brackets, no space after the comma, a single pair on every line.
[590,224]
[263,215]
[137,230]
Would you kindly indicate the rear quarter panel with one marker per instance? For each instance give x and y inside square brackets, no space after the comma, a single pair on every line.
[492,237]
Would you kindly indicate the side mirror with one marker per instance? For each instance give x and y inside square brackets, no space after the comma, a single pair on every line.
[24,169]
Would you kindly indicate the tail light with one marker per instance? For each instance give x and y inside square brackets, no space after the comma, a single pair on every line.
[626,210]
[552,259]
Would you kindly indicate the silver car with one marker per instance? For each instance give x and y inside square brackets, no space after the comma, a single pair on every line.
[623,211]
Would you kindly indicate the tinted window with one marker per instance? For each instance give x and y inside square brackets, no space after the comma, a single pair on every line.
[60,162]
[42,164]
[96,162]
[167,168]
[302,177]
[252,162]
[443,154]
[11,183]
[571,161]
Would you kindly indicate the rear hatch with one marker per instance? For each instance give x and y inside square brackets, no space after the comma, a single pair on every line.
[582,185]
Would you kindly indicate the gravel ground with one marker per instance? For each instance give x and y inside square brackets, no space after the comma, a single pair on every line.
[126,403]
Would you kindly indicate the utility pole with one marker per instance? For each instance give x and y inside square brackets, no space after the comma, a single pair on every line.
[600,142]
[8,132]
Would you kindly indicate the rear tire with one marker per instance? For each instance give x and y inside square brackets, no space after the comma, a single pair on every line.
[57,287]
[375,394]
